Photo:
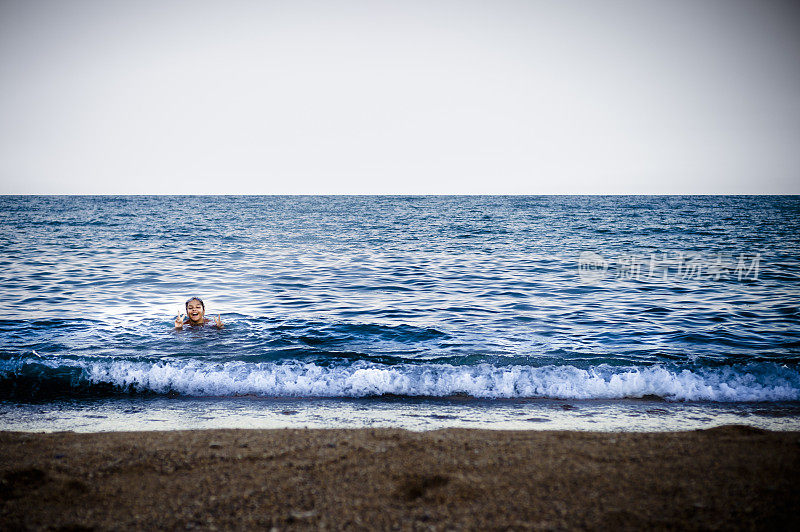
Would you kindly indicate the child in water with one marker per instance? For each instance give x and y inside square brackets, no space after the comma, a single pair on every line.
[195,315]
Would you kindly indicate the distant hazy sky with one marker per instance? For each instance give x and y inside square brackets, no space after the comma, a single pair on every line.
[406,96]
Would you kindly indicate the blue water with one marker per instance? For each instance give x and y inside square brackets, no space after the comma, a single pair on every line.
[415,304]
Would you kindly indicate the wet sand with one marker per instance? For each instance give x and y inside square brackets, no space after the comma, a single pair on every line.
[389,479]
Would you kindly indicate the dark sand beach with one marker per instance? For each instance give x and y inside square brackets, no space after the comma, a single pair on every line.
[388,479]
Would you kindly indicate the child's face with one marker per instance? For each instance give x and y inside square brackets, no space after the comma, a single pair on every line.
[195,310]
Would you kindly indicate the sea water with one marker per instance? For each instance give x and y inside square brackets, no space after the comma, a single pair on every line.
[547,312]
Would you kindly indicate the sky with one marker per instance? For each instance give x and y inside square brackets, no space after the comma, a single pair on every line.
[399,97]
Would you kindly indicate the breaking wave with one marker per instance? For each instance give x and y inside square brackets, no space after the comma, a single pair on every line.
[32,377]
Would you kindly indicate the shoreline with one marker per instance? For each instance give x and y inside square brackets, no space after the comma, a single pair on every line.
[733,477]
[417,414]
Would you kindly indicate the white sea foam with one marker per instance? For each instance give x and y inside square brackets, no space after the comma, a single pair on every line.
[763,382]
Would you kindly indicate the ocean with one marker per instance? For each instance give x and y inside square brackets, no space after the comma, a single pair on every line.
[641,313]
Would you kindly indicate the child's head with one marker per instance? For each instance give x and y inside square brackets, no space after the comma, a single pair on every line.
[195,309]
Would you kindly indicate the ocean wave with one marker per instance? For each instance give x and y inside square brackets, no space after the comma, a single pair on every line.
[746,382]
